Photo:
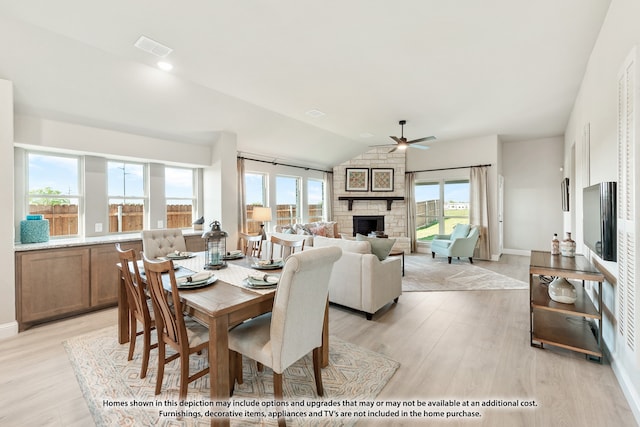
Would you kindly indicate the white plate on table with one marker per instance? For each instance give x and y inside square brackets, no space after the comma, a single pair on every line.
[198,284]
[262,266]
[183,255]
[271,281]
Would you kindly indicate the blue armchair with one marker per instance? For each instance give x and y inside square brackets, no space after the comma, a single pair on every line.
[460,243]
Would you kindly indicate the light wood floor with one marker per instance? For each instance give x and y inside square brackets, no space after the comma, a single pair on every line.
[451,345]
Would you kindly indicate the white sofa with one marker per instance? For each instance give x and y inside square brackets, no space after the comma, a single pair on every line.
[359,280]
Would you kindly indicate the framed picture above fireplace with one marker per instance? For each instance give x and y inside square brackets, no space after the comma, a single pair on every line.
[357,179]
[381,179]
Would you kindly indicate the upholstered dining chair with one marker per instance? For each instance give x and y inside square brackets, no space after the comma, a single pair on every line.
[159,243]
[287,247]
[294,326]
[250,244]
[140,307]
[174,328]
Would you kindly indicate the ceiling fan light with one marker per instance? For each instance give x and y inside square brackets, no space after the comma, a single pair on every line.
[402,146]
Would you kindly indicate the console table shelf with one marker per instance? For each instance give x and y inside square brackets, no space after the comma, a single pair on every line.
[564,325]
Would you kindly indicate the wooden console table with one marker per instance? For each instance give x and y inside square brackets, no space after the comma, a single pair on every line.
[565,325]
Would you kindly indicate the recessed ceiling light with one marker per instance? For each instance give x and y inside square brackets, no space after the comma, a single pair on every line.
[314,113]
[366,135]
[165,66]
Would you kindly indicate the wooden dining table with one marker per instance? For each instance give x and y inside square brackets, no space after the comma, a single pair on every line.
[220,306]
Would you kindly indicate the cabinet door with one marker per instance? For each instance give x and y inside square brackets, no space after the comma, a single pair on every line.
[105,276]
[194,243]
[51,283]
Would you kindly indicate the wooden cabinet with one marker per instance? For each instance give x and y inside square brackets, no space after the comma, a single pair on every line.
[51,283]
[105,277]
[568,326]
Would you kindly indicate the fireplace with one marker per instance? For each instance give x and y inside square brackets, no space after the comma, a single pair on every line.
[365,224]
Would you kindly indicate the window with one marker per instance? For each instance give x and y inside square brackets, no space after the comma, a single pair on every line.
[255,185]
[440,206]
[54,191]
[126,193]
[180,197]
[315,196]
[287,200]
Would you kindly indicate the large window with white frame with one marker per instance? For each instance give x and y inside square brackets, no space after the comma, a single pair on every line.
[180,196]
[255,186]
[287,200]
[126,195]
[440,205]
[54,191]
[315,200]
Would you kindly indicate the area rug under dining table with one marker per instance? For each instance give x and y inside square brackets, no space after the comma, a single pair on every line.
[116,395]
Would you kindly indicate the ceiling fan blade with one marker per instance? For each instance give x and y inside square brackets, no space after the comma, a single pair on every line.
[422,147]
[428,138]
[393,149]
[396,139]
[383,145]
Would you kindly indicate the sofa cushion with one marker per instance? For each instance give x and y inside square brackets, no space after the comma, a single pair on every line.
[460,230]
[346,245]
[379,247]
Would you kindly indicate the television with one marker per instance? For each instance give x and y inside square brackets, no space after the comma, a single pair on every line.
[599,219]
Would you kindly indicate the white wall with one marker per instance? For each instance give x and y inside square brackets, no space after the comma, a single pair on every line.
[532,198]
[467,152]
[8,324]
[596,106]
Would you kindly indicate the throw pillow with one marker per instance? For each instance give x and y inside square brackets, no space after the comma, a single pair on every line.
[379,247]
[460,230]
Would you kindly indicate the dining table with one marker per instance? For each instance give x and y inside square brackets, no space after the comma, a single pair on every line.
[222,305]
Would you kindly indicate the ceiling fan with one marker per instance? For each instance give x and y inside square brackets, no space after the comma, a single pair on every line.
[402,143]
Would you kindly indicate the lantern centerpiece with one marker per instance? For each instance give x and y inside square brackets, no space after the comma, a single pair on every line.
[215,247]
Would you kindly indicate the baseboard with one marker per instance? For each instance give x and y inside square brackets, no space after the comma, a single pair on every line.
[8,330]
[626,384]
[522,252]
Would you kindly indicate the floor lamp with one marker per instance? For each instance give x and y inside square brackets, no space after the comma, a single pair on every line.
[263,215]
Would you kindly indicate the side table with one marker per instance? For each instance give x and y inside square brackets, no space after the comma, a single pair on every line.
[400,254]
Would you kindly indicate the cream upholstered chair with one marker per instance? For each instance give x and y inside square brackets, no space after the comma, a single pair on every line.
[139,307]
[159,243]
[180,332]
[294,327]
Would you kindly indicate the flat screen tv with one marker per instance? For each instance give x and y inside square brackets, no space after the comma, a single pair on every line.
[599,219]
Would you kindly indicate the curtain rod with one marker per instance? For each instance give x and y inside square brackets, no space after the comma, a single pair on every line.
[284,164]
[446,169]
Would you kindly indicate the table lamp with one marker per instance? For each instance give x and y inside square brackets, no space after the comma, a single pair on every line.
[262,214]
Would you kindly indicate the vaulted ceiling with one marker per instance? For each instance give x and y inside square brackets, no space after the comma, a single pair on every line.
[453,69]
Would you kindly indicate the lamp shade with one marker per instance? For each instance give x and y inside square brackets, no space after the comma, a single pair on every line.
[261,214]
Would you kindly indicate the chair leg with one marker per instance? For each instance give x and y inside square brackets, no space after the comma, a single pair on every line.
[184,376]
[133,331]
[145,353]
[278,394]
[161,363]
[369,316]
[259,366]
[433,254]
[317,370]
[239,375]
[449,260]
[471,260]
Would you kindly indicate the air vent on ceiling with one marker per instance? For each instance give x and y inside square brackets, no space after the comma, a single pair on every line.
[152,47]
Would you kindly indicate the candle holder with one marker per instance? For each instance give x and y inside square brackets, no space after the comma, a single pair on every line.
[215,247]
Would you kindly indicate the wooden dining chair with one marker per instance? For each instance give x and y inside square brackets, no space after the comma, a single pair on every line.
[174,328]
[140,307]
[287,247]
[250,244]
[294,326]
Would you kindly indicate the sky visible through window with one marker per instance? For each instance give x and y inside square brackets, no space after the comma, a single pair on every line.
[58,173]
[454,192]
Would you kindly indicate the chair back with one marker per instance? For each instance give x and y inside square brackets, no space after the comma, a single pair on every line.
[135,287]
[159,243]
[169,321]
[287,247]
[298,310]
[251,245]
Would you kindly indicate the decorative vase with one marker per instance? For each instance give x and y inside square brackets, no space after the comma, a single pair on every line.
[555,245]
[568,246]
[561,290]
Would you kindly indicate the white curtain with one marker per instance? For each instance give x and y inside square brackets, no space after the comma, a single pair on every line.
[328,196]
[410,196]
[479,214]
[242,199]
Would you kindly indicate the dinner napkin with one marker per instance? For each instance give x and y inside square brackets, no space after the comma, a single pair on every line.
[178,253]
[268,278]
[198,277]
[268,261]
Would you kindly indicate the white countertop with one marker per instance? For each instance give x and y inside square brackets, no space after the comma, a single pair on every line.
[83,241]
